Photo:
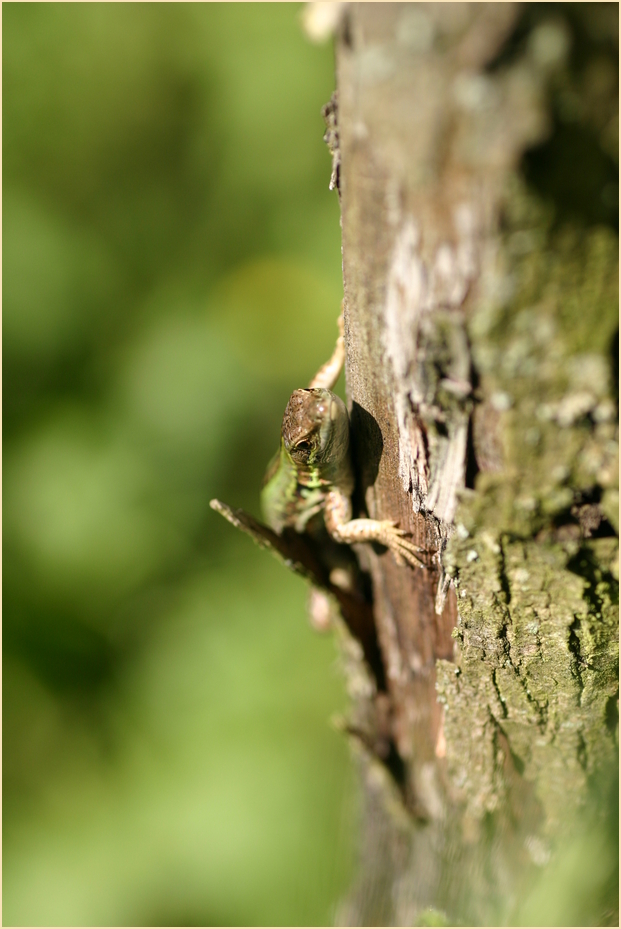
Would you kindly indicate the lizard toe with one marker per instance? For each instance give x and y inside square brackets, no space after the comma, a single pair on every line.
[407,551]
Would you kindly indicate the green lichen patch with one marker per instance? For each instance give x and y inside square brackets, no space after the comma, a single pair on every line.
[535,551]
[538,662]
[543,356]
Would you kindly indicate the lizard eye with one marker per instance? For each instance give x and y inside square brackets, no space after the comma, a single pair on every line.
[303,446]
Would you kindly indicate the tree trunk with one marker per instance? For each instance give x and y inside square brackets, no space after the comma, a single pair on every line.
[475,146]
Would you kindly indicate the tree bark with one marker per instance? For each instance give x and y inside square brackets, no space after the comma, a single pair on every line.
[475,146]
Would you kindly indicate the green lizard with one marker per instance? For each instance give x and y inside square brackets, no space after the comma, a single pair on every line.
[311,475]
[312,471]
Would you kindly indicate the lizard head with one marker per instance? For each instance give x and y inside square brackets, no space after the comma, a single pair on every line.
[315,427]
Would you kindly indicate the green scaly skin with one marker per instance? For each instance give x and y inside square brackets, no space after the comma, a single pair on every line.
[313,460]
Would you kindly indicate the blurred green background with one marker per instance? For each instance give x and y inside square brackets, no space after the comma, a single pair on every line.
[171,272]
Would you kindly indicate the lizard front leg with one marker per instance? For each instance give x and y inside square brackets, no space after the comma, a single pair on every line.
[344,529]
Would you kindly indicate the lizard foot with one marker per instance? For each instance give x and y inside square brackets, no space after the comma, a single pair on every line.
[403,550]
[385,532]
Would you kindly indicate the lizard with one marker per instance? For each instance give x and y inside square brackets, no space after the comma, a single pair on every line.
[312,471]
[308,486]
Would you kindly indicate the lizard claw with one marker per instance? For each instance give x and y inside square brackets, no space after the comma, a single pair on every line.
[385,532]
[402,548]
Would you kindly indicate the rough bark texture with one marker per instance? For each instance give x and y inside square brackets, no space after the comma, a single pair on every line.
[477,148]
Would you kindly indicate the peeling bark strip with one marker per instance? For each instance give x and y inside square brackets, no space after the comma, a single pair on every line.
[424,326]
[480,307]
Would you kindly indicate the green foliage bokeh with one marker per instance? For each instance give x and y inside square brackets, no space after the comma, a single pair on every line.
[171,272]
